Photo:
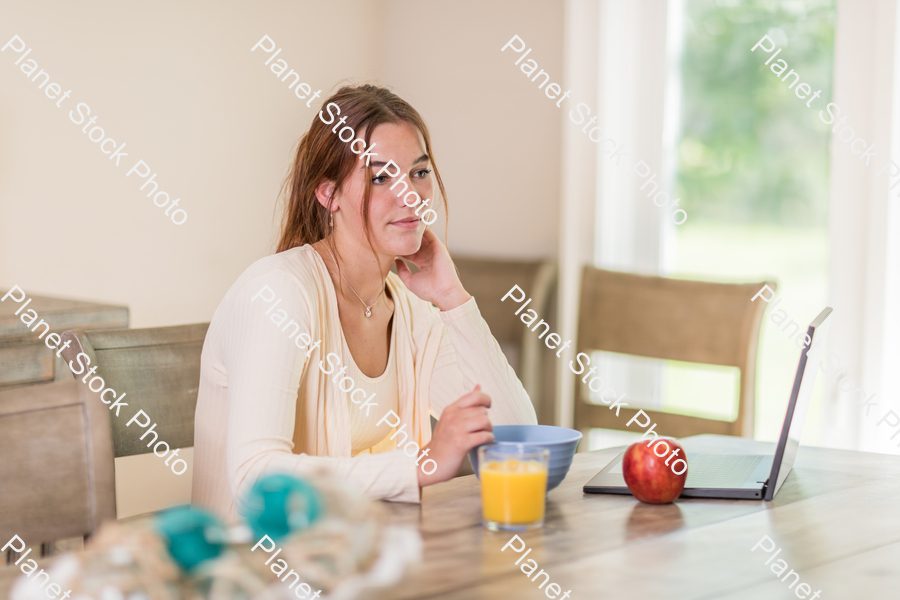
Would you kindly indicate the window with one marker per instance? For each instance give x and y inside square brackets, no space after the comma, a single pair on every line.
[752,167]
[749,162]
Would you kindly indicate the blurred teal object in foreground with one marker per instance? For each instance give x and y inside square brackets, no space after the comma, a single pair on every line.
[191,535]
[279,504]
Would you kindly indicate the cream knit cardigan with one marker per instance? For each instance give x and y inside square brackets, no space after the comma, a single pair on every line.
[264,406]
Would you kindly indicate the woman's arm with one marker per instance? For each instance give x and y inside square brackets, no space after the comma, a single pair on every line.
[264,369]
[470,355]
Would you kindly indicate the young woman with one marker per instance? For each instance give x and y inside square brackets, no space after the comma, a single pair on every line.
[320,357]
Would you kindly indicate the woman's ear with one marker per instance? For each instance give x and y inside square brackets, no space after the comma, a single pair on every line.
[324,193]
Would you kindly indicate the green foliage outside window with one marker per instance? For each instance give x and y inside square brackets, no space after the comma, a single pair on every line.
[750,149]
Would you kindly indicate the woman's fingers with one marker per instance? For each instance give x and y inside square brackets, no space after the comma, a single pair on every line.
[415,257]
[429,237]
[474,413]
[482,437]
[474,398]
[463,425]
[403,271]
[426,249]
[478,422]
[469,423]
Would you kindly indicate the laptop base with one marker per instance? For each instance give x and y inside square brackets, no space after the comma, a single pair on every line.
[732,477]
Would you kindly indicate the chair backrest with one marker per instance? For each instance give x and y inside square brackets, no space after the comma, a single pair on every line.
[693,321]
[488,280]
[57,475]
[159,369]
[24,357]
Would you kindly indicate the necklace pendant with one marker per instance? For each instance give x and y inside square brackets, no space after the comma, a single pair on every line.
[368,311]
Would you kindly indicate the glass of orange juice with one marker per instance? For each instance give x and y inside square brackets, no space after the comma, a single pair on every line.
[513,486]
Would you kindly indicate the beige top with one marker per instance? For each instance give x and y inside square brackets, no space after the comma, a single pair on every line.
[266,405]
[364,433]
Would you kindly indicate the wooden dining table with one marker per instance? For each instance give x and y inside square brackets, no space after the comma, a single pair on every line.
[833,520]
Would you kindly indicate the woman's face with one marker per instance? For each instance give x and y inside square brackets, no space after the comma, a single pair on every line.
[395,228]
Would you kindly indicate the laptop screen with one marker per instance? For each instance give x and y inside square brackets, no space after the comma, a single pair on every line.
[801,396]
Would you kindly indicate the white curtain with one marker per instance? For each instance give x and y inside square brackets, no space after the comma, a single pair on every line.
[864,270]
[618,64]
[579,187]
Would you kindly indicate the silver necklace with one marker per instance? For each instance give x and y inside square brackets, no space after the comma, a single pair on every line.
[368,308]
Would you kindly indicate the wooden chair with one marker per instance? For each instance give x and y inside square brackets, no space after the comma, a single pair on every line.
[25,359]
[159,369]
[694,321]
[488,280]
[57,477]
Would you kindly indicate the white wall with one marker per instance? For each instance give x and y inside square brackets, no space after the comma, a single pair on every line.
[178,84]
[181,88]
[496,135]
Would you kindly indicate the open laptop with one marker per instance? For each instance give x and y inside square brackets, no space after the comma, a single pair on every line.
[740,476]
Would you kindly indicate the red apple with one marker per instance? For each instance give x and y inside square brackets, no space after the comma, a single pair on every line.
[648,476]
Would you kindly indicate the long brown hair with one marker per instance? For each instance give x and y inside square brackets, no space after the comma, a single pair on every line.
[322,156]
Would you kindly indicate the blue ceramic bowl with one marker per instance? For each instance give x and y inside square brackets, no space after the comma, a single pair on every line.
[560,441]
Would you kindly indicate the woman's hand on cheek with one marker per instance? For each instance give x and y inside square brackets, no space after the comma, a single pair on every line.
[436,281]
[463,425]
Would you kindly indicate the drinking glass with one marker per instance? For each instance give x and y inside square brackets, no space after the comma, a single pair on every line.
[513,486]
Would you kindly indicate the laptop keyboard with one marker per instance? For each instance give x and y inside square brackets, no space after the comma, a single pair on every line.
[720,471]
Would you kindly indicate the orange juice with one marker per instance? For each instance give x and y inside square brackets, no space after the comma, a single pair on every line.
[513,491]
